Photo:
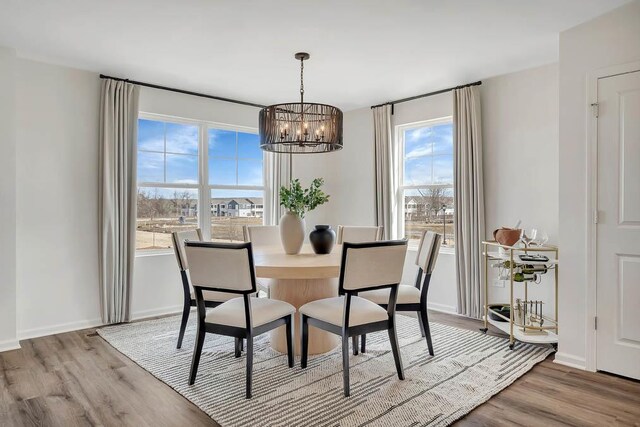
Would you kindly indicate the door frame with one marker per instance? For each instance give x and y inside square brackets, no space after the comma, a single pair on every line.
[592,204]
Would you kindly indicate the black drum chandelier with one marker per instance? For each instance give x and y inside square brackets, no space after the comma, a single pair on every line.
[300,127]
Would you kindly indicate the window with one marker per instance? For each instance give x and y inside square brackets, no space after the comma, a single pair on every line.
[426,180]
[184,165]
[236,182]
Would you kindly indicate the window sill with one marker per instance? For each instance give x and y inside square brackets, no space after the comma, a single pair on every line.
[153,252]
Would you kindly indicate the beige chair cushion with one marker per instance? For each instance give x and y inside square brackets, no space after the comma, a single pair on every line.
[406,295]
[263,310]
[215,296]
[330,310]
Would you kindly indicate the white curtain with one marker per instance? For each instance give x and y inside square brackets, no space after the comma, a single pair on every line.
[118,135]
[387,158]
[469,200]
[277,175]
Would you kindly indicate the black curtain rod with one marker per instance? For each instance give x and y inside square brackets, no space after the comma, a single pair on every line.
[438,92]
[186,92]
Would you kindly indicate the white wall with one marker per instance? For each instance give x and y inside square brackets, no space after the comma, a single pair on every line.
[7,201]
[611,39]
[520,137]
[520,131]
[57,202]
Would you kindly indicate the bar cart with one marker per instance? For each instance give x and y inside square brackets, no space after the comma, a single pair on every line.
[526,320]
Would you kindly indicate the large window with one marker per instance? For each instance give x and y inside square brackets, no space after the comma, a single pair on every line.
[196,174]
[426,179]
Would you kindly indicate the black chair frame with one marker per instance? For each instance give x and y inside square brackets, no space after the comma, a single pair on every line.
[247,333]
[420,309]
[346,331]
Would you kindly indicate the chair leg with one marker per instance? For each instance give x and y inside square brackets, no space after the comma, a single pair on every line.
[420,323]
[241,344]
[363,343]
[249,365]
[238,347]
[354,344]
[424,321]
[345,365]
[393,337]
[304,354]
[183,324]
[290,353]
[197,352]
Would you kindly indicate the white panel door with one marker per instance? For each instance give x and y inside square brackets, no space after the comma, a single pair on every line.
[618,240]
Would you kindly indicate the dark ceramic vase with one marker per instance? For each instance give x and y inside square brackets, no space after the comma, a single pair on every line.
[322,239]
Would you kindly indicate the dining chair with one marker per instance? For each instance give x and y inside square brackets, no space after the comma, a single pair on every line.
[413,298]
[364,267]
[262,235]
[229,267]
[358,234]
[211,299]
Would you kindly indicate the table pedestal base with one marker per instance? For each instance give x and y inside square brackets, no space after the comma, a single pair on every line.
[298,292]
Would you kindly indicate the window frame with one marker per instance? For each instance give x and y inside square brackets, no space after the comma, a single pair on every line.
[401,187]
[203,187]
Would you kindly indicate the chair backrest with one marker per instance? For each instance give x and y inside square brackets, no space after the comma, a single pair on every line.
[262,235]
[358,234]
[179,238]
[371,265]
[428,251]
[223,267]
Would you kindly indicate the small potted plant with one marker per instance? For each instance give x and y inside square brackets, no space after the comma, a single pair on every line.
[298,201]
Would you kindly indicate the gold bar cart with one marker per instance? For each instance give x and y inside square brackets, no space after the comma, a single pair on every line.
[544,333]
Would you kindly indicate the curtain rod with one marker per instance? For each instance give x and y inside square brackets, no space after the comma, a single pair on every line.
[424,95]
[186,92]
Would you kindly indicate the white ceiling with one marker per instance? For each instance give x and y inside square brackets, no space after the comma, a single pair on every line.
[363,52]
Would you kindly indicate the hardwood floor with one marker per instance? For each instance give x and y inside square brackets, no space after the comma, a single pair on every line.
[77,379]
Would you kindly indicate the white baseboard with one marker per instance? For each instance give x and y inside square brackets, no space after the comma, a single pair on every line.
[570,361]
[145,314]
[9,345]
[442,308]
[58,329]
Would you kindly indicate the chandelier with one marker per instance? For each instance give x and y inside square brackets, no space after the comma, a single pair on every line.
[300,127]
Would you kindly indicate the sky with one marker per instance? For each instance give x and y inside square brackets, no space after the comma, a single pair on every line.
[168,153]
[428,155]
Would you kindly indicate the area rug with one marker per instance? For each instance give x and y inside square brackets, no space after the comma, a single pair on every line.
[467,369]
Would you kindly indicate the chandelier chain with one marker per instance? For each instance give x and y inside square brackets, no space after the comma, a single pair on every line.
[301,80]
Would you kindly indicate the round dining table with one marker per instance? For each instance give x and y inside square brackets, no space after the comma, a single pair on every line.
[299,279]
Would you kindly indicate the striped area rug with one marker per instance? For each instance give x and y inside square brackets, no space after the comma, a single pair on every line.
[467,370]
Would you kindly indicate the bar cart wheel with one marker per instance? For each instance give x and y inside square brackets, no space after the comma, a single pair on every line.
[484,330]
[512,346]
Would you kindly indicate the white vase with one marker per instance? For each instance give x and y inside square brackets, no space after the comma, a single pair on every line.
[292,233]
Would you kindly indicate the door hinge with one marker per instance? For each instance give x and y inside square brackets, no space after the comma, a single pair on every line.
[596,216]
[595,323]
[595,109]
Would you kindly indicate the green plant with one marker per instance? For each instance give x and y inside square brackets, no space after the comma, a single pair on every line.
[300,201]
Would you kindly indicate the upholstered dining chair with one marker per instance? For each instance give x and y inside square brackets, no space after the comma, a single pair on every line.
[229,267]
[413,297]
[212,299]
[358,234]
[364,267]
[262,235]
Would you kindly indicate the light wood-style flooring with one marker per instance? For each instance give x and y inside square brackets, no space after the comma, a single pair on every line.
[77,379]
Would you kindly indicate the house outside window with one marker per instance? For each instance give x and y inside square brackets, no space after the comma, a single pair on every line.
[425,190]
[186,164]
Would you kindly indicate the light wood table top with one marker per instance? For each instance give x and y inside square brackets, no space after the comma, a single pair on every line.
[271,262]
